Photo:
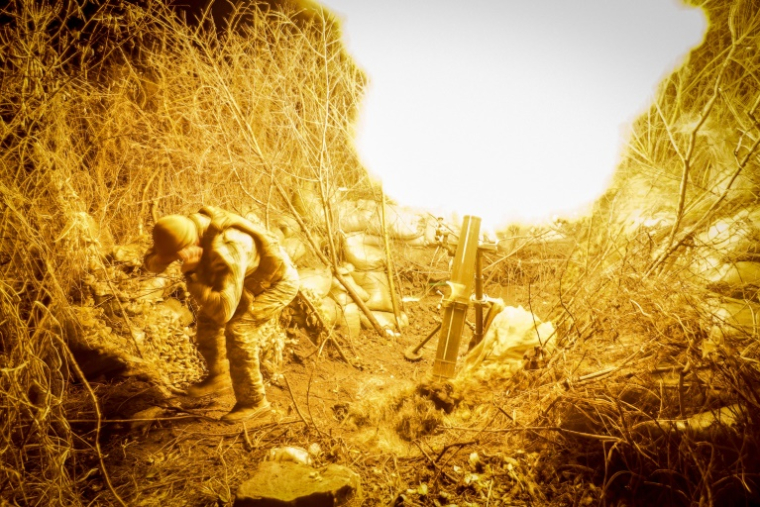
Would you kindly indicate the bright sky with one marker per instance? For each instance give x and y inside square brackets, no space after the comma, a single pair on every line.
[506,109]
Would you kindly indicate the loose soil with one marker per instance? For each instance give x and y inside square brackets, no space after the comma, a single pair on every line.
[369,416]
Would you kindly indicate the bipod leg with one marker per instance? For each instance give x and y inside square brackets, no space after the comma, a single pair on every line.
[413,353]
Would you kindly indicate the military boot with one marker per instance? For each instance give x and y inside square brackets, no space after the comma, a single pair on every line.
[213,384]
[242,412]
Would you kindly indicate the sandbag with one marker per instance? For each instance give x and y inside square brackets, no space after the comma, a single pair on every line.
[357,216]
[739,274]
[316,280]
[375,283]
[288,225]
[294,247]
[402,223]
[331,311]
[734,318]
[374,240]
[351,320]
[363,256]
[341,296]
[732,233]
[308,203]
[513,332]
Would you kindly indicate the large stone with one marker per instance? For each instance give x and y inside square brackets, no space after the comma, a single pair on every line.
[290,484]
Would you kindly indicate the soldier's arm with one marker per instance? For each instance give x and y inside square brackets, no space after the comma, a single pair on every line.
[230,259]
[154,263]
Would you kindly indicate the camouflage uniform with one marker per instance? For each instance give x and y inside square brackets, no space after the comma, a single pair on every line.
[243,280]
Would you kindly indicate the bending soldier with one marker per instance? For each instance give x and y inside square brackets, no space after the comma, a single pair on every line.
[241,278]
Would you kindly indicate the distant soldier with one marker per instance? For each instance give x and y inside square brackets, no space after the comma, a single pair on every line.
[241,278]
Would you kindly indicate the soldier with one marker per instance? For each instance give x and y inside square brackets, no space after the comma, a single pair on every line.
[241,278]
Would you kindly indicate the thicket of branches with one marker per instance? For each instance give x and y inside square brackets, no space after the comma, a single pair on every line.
[640,354]
[111,114]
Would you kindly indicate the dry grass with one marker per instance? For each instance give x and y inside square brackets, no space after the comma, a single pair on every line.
[142,115]
[112,115]
[636,357]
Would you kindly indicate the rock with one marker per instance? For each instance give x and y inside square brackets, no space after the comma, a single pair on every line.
[292,454]
[183,315]
[736,279]
[142,421]
[286,483]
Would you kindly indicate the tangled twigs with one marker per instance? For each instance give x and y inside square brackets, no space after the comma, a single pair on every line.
[434,463]
[96,405]
[323,326]
[453,446]
[293,398]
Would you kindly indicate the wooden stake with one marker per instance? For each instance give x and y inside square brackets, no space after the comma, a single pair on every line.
[389,261]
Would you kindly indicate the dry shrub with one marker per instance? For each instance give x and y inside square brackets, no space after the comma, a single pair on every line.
[113,113]
[638,397]
[643,398]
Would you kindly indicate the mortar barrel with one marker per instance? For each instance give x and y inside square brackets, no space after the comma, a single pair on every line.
[457,304]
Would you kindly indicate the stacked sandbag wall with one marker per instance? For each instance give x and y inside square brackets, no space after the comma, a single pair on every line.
[361,242]
[727,262]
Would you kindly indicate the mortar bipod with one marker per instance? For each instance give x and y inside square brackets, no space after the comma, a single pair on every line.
[495,306]
[466,275]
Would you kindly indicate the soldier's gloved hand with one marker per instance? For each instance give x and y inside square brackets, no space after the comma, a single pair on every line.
[190,257]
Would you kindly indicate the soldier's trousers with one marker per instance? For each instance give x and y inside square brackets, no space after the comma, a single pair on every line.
[234,348]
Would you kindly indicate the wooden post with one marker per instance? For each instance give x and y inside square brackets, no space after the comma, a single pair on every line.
[389,261]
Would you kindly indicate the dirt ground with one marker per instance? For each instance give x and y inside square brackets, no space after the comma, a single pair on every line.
[369,416]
